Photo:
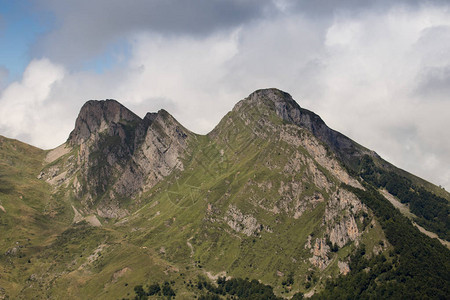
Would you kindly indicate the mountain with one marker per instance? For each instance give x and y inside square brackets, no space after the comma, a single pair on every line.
[271,202]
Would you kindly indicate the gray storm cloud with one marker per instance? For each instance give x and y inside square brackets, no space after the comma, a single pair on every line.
[87,28]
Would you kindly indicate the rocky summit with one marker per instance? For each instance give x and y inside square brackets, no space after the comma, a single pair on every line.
[115,155]
[271,204]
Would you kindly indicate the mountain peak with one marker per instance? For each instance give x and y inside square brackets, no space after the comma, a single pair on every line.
[96,115]
[279,102]
[276,100]
[282,101]
[273,94]
[285,107]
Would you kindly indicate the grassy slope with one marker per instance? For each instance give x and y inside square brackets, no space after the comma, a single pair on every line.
[177,233]
[32,215]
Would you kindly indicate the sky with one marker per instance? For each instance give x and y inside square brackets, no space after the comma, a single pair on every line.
[377,71]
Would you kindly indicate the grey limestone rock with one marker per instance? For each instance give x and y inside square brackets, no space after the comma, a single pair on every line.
[119,154]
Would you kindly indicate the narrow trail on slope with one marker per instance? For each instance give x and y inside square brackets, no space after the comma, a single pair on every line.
[190,246]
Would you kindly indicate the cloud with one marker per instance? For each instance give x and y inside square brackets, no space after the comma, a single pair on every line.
[433,47]
[87,28]
[384,86]
[25,112]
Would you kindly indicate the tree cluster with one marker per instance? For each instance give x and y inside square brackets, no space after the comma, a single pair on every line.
[155,289]
[431,210]
[417,268]
[237,288]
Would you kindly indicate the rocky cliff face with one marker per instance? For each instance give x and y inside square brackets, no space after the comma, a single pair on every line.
[112,154]
[161,143]
[96,117]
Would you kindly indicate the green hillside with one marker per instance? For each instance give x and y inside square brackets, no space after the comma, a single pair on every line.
[31,217]
[258,201]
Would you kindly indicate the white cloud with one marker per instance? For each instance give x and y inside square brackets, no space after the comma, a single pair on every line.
[184,74]
[376,64]
[25,112]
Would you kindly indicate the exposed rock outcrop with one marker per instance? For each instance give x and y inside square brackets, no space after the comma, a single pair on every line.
[247,224]
[113,154]
[156,155]
[320,252]
[98,116]
[339,218]
[344,269]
